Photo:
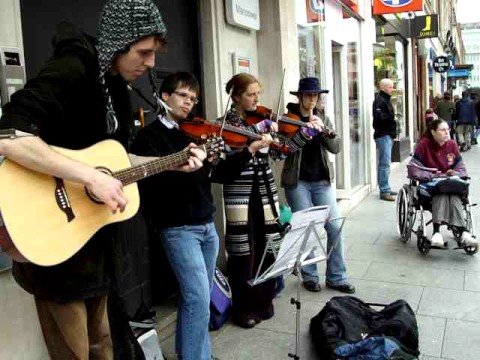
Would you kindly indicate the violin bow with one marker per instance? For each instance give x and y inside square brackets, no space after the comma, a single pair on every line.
[226,109]
[162,107]
[279,98]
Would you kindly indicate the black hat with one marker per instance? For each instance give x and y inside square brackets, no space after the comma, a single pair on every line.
[309,85]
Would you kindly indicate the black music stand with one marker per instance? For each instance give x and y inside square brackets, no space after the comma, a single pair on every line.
[302,240]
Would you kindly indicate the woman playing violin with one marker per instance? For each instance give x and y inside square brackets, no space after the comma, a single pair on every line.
[307,177]
[251,208]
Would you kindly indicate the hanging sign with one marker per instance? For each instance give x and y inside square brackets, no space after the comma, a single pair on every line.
[424,27]
[315,10]
[441,64]
[381,7]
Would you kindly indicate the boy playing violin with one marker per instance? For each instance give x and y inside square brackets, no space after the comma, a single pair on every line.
[180,208]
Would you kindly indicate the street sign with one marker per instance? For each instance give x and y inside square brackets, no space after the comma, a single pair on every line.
[441,64]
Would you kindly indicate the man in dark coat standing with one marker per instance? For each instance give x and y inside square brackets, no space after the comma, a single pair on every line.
[385,128]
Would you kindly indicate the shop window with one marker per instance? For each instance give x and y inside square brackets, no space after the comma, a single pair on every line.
[308,49]
[388,63]
[357,126]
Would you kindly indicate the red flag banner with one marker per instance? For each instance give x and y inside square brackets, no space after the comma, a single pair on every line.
[381,7]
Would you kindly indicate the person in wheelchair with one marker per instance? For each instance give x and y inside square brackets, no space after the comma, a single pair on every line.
[438,166]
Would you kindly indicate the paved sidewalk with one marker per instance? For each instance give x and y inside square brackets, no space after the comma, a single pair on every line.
[443,288]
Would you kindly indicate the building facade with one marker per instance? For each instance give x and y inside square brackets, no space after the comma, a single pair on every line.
[471,42]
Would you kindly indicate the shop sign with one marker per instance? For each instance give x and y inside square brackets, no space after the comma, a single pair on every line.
[424,27]
[441,64]
[243,13]
[315,10]
[396,6]
[459,73]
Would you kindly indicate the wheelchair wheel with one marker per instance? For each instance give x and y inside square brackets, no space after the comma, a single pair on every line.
[406,213]
[471,250]
[423,245]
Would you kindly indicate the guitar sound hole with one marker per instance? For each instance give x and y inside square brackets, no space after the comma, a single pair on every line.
[90,194]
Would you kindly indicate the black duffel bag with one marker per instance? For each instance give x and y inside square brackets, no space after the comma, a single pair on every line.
[349,320]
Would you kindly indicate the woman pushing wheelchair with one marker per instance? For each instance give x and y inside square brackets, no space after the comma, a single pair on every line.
[438,167]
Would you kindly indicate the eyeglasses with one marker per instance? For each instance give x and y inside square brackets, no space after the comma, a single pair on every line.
[185,96]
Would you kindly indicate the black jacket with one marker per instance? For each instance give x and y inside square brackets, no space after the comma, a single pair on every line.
[465,112]
[383,116]
[65,106]
[174,198]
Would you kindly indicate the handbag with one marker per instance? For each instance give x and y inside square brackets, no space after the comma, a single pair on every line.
[220,301]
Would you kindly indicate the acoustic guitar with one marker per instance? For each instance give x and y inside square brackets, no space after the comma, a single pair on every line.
[47,220]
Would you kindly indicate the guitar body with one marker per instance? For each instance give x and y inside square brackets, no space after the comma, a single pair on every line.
[47,219]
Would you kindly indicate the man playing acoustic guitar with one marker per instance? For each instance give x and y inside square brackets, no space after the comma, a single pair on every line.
[79,98]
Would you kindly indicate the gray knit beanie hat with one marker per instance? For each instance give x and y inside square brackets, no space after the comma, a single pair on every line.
[123,22]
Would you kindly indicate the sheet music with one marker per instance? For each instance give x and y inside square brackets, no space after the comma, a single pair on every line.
[304,217]
[309,220]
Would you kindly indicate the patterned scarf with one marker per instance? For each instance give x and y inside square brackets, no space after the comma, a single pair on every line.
[123,22]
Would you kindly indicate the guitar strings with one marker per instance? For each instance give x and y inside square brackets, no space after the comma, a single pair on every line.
[127,176]
[130,175]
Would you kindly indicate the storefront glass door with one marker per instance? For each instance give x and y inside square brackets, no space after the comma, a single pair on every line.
[358,148]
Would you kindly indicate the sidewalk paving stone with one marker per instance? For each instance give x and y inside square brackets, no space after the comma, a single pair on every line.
[451,304]
[462,340]
[423,275]
[431,332]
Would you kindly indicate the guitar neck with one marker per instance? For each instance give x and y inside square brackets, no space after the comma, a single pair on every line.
[152,167]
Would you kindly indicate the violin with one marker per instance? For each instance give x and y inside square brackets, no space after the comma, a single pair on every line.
[233,136]
[288,124]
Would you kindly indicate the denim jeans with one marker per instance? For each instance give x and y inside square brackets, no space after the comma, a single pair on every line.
[192,251]
[384,148]
[315,193]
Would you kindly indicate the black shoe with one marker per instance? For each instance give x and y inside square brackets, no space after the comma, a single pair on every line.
[247,323]
[393,193]
[244,321]
[312,286]
[387,197]
[344,288]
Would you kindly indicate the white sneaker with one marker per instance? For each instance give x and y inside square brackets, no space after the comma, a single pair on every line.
[468,239]
[437,239]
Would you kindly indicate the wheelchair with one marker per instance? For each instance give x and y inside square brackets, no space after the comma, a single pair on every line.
[410,212]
